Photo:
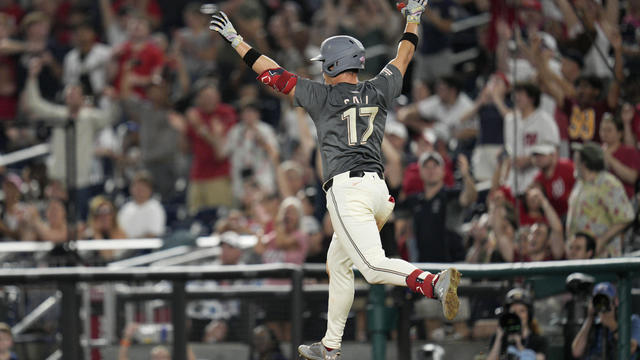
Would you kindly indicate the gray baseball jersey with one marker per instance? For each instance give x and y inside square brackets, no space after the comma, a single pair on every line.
[350,119]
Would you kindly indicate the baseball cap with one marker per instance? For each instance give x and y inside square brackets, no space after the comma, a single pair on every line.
[590,152]
[230,238]
[605,288]
[544,149]
[396,128]
[518,296]
[430,155]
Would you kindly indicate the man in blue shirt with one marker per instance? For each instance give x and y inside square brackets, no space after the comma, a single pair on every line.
[598,337]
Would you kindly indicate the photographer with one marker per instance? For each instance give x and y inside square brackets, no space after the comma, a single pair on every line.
[598,337]
[518,336]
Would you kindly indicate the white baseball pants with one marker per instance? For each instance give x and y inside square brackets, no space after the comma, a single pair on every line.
[358,207]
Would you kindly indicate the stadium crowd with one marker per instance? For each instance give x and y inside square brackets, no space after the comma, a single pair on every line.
[516,138]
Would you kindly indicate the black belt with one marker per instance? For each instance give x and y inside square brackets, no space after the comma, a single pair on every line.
[353,173]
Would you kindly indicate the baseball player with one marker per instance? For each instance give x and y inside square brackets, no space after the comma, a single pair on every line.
[350,117]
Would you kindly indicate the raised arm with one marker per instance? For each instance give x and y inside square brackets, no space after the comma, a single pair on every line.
[407,46]
[556,236]
[269,72]
[34,103]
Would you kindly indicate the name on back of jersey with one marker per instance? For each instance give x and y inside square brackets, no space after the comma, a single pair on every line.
[356,100]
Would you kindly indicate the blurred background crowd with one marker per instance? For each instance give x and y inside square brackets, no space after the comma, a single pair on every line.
[515,139]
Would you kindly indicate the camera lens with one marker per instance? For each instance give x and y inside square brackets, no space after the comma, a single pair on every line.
[601,303]
[510,323]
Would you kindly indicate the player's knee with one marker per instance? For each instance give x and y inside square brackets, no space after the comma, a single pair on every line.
[374,272]
[373,277]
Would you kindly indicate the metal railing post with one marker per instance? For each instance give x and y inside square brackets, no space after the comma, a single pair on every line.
[377,322]
[71,325]
[71,175]
[179,320]
[85,316]
[404,323]
[296,311]
[624,315]
[109,311]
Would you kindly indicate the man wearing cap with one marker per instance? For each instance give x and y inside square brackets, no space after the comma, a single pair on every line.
[555,176]
[599,339]
[598,203]
[350,117]
[411,182]
[437,214]
[438,209]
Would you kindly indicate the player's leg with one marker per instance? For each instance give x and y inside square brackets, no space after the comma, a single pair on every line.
[352,206]
[352,214]
[341,293]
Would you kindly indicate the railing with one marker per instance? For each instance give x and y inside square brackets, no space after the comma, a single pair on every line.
[67,280]
[25,154]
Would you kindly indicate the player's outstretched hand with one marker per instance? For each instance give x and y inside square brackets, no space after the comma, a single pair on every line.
[413,10]
[220,23]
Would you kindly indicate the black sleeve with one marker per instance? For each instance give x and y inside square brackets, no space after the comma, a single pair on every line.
[455,244]
[408,204]
[538,344]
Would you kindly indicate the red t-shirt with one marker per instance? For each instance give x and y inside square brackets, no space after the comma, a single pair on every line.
[584,124]
[205,165]
[558,187]
[413,184]
[145,61]
[630,157]
[525,218]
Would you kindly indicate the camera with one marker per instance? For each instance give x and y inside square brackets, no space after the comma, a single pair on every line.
[601,303]
[510,323]
[579,284]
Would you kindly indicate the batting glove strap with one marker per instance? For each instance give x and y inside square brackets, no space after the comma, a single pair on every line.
[222,25]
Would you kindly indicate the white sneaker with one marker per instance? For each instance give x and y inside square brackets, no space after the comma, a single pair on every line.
[446,290]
